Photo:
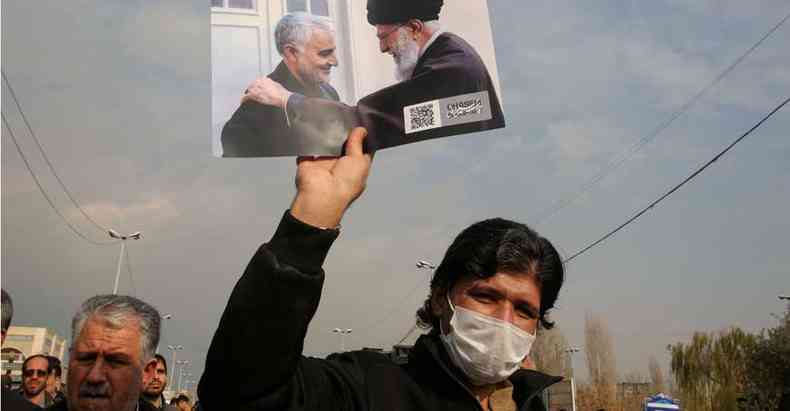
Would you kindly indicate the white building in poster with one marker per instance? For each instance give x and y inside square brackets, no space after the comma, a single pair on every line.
[242,47]
[21,342]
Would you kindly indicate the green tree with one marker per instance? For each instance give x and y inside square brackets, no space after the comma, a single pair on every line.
[768,370]
[710,371]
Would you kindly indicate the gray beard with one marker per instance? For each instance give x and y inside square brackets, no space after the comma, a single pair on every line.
[407,52]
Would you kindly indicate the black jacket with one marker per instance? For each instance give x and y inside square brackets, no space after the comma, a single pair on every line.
[142,405]
[257,130]
[449,67]
[255,359]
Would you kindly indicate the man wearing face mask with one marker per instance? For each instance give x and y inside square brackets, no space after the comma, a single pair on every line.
[496,283]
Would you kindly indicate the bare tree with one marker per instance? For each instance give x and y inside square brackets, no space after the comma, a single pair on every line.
[656,375]
[601,363]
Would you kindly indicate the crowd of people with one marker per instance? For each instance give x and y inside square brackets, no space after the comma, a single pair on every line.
[111,366]
[494,288]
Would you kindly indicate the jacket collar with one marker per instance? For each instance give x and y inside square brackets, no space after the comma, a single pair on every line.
[282,74]
[429,351]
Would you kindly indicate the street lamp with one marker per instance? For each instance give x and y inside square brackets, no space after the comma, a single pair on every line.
[114,234]
[343,332]
[173,348]
[182,376]
[571,351]
[162,329]
[425,265]
[784,297]
[183,364]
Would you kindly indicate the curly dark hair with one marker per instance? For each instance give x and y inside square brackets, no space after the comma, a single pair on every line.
[497,245]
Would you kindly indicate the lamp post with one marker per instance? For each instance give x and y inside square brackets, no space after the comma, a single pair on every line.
[183,376]
[343,332]
[173,348]
[162,329]
[784,297]
[571,351]
[426,265]
[183,364]
[114,234]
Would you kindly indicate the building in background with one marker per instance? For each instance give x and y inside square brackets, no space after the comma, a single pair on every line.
[22,342]
[242,47]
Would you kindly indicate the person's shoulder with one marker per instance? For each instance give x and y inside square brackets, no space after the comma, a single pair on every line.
[453,42]
[12,401]
[453,54]
[331,91]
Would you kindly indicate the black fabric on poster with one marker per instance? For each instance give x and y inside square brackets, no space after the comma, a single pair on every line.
[255,359]
[257,130]
[449,67]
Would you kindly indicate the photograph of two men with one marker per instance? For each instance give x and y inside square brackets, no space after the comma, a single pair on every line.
[293,77]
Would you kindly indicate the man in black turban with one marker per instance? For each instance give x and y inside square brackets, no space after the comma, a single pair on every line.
[444,87]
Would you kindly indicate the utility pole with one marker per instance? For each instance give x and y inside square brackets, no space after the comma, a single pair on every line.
[114,234]
[162,329]
[173,348]
[571,351]
[343,332]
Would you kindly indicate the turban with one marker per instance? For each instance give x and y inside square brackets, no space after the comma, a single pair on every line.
[400,11]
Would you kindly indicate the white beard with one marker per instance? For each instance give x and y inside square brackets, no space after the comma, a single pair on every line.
[405,53]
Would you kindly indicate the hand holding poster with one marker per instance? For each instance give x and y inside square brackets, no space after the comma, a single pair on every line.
[442,85]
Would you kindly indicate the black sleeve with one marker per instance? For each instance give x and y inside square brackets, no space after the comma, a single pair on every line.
[255,361]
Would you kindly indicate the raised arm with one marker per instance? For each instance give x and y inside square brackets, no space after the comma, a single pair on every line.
[255,356]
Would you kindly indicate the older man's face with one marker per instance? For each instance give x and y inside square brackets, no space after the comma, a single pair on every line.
[316,59]
[105,367]
[395,40]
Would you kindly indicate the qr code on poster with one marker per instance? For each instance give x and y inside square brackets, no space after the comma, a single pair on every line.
[421,116]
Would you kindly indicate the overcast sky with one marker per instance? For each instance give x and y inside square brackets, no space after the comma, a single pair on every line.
[118,92]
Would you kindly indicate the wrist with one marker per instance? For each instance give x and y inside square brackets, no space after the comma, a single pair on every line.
[321,210]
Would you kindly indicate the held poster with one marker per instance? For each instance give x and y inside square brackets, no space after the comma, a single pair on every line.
[405,80]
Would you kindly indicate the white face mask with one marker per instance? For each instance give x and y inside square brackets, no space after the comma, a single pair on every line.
[486,349]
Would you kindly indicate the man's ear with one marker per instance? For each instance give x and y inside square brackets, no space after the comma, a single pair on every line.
[438,303]
[290,52]
[416,27]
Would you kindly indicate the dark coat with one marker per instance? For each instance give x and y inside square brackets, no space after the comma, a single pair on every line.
[12,401]
[449,67]
[255,359]
[257,130]
[142,405]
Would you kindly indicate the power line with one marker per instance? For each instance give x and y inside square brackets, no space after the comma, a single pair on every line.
[675,188]
[46,159]
[616,163]
[393,310]
[408,333]
[44,193]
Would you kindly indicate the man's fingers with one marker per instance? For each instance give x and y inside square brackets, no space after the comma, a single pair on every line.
[355,141]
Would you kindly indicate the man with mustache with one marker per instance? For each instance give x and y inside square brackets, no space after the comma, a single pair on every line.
[35,372]
[155,386]
[431,64]
[113,342]
[307,46]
